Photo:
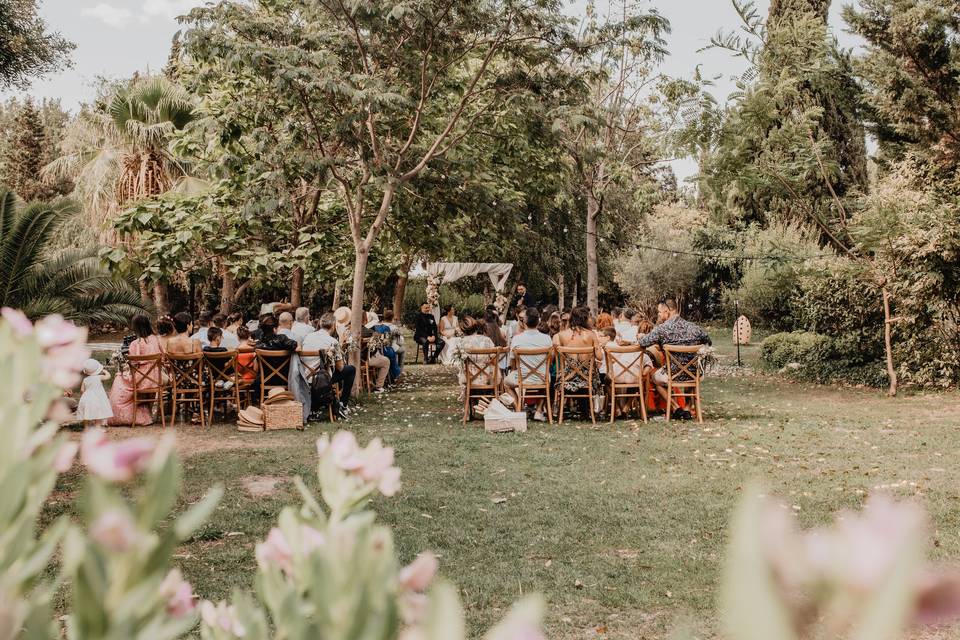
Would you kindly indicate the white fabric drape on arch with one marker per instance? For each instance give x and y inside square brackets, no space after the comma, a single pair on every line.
[452,271]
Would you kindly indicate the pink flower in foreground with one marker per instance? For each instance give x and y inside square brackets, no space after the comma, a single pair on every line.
[372,464]
[868,544]
[312,539]
[65,456]
[222,616]
[53,331]
[114,531]
[418,575]
[178,594]
[64,348]
[275,551]
[19,322]
[389,482]
[115,461]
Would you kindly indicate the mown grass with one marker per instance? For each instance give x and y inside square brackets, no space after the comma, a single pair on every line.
[621,527]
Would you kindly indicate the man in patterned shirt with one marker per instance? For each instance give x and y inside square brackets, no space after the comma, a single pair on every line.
[672,330]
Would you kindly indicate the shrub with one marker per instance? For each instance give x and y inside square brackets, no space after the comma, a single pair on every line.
[767,286]
[814,357]
[651,274]
[324,572]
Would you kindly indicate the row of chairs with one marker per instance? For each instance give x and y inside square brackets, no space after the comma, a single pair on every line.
[575,375]
[206,379]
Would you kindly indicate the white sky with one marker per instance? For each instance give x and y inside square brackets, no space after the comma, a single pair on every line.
[115,38]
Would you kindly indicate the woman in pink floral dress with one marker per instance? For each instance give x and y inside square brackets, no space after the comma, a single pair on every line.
[121,393]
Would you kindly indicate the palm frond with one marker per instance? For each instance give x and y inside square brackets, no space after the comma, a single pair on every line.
[23,246]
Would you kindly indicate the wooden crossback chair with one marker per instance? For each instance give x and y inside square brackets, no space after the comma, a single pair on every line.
[322,362]
[535,383]
[683,378]
[365,384]
[576,365]
[248,373]
[481,369]
[222,367]
[148,383]
[274,369]
[188,383]
[625,377]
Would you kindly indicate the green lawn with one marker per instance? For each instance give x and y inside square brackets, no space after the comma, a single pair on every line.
[622,527]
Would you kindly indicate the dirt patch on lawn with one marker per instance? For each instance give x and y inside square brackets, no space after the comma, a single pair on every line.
[262,486]
[194,439]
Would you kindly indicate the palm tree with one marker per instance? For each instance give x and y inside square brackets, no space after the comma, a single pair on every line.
[119,152]
[73,283]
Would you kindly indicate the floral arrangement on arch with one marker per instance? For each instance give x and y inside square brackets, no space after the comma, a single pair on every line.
[433,289]
[501,302]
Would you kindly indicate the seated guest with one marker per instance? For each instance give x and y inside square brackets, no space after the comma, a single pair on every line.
[204,321]
[234,320]
[246,356]
[626,329]
[427,335]
[579,334]
[342,317]
[214,338]
[385,331]
[605,336]
[553,324]
[165,331]
[396,338]
[493,330]
[373,355]
[604,320]
[181,343]
[125,412]
[529,338]
[673,330]
[270,340]
[228,338]
[323,340]
[285,326]
[301,324]
[473,338]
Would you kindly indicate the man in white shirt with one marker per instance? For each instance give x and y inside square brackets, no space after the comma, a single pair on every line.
[626,329]
[530,338]
[285,327]
[301,324]
[323,340]
[201,334]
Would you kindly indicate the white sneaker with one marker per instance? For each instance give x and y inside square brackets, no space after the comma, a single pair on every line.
[539,417]
[219,384]
[228,385]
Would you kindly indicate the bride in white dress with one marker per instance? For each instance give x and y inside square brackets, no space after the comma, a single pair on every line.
[448,326]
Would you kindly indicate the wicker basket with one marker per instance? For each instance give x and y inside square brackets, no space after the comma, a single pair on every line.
[283,415]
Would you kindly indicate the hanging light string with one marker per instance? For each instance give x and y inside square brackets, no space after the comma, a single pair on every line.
[738,257]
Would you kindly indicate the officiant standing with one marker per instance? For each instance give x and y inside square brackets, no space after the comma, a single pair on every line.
[523,298]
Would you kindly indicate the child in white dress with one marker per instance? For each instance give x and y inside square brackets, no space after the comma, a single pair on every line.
[94,406]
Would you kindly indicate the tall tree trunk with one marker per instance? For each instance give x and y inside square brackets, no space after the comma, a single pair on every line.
[356,305]
[573,298]
[400,288]
[296,287]
[593,210]
[336,294]
[160,298]
[561,293]
[888,343]
[228,292]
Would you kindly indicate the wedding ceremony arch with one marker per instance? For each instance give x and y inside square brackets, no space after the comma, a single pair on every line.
[439,273]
